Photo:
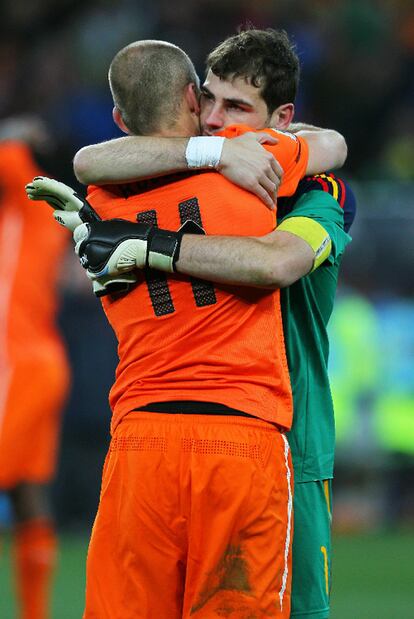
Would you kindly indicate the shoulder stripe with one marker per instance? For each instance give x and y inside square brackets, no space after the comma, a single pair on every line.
[335,188]
[332,185]
[343,193]
[318,178]
[298,156]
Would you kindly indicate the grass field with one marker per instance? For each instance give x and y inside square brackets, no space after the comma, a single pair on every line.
[373,578]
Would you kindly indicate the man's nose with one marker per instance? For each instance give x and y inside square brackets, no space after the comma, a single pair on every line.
[215,118]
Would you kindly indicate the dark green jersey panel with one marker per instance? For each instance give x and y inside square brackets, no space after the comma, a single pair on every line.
[306,308]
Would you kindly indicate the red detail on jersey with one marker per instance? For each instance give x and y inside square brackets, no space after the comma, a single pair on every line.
[325,185]
[343,192]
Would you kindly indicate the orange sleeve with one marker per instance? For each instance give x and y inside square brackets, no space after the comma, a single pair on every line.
[291,151]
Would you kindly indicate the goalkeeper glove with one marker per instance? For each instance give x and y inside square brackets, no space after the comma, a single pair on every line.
[115,284]
[107,248]
[70,209]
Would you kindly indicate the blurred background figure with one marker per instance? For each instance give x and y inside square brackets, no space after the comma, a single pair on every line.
[34,376]
[357,60]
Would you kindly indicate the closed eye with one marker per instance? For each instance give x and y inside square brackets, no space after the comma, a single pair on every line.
[207,95]
[235,106]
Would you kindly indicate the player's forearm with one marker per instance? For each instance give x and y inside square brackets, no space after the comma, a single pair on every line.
[130,158]
[296,127]
[272,261]
[242,160]
[327,150]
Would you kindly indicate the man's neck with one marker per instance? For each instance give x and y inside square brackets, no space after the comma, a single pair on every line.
[184,127]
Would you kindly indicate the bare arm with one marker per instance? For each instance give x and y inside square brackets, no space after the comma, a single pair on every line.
[129,158]
[243,161]
[296,127]
[275,260]
[327,148]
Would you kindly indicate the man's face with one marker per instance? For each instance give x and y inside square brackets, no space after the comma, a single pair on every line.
[225,103]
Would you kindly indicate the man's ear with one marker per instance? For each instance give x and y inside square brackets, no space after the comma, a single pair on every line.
[192,97]
[282,116]
[118,120]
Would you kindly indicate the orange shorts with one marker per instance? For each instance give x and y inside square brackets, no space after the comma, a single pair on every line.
[194,520]
[30,413]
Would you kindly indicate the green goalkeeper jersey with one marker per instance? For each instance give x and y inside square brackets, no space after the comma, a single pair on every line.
[306,308]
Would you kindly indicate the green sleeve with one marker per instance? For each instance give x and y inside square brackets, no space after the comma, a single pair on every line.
[323,208]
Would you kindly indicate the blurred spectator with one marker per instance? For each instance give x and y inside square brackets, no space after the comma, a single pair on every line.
[34,377]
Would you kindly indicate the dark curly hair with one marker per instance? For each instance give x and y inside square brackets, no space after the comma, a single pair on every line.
[267,59]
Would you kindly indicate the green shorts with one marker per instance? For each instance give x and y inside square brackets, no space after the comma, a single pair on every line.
[311,568]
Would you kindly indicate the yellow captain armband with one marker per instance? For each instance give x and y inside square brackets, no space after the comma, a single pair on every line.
[312,233]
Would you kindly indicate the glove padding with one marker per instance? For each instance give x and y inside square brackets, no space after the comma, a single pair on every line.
[115,284]
[111,247]
[108,248]
[71,210]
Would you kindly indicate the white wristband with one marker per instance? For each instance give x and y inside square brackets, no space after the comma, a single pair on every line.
[204,152]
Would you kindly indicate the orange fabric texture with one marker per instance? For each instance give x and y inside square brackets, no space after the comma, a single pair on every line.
[29,434]
[291,151]
[184,341]
[35,554]
[34,371]
[193,521]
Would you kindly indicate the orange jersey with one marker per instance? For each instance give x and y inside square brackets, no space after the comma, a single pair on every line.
[291,151]
[182,339]
[33,368]
[31,250]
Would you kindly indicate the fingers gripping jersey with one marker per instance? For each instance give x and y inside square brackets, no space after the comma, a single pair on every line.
[291,151]
[187,340]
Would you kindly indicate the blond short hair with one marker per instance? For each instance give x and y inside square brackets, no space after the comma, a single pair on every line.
[147,81]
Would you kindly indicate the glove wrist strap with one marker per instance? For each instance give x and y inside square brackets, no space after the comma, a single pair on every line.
[164,246]
[162,249]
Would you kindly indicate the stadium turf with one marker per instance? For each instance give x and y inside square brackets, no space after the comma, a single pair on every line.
[372,578]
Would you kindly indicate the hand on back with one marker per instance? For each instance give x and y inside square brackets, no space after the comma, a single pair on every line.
[246,163]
